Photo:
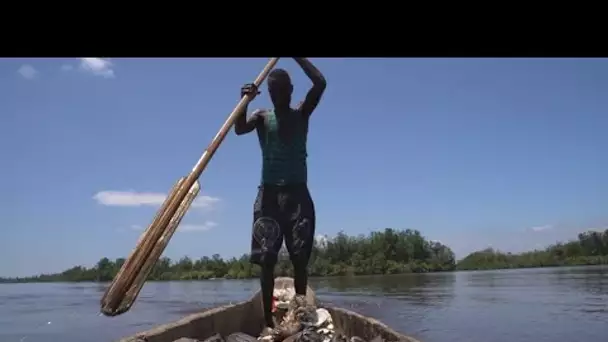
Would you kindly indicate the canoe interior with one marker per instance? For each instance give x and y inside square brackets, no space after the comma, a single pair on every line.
[247,317]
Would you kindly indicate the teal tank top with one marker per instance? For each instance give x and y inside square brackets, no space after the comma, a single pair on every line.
[284,163]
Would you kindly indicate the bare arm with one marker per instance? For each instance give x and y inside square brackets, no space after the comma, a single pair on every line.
[244,125]
[318,86]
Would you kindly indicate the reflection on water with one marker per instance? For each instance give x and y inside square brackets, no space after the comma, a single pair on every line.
[423,290]
[401,301]
[101,287]
[539,305]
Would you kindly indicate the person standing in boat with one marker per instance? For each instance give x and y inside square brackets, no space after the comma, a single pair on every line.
[283,208]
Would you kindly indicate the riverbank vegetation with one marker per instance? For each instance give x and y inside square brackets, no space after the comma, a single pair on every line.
[590,248]
[382,252]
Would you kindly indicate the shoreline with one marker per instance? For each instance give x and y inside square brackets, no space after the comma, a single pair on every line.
[5,281]
[387,252]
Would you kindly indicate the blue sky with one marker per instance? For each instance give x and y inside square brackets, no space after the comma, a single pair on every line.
[509,153]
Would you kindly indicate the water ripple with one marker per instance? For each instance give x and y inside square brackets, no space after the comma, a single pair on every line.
[541,305]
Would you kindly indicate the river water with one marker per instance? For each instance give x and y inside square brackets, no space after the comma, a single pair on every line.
[536,305]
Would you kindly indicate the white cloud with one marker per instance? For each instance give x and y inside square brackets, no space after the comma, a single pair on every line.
[138,199]
[597,229]
[97,66]
[541,228]
[187,227]
[197,227]
[27,71]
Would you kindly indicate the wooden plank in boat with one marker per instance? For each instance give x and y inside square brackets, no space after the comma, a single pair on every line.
[247,317]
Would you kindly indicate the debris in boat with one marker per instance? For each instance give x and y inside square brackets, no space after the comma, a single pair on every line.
[240,337]
[301,322]
[282,297]
[297,322]
[215,338]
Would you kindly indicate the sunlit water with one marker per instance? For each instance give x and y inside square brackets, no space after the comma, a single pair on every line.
[536,305]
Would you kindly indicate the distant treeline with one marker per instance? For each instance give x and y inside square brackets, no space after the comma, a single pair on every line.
[382,252]
[591,248]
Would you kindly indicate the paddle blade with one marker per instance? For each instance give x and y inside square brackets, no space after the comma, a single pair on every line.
[122,293]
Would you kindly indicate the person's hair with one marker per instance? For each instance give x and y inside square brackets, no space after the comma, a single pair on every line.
[278,76]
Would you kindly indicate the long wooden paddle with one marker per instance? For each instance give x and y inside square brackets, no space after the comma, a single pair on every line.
[124,289]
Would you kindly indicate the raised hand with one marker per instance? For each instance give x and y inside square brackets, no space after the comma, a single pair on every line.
[250,89]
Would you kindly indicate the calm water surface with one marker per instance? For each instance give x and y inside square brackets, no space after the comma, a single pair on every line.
[536,305]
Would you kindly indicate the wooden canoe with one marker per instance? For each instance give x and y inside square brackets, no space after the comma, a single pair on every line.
[247,317]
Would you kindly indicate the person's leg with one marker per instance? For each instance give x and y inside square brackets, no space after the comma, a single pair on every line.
[266,242]
[267,286]
[299,235]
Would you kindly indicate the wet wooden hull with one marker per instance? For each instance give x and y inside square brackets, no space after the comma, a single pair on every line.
[247,317]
